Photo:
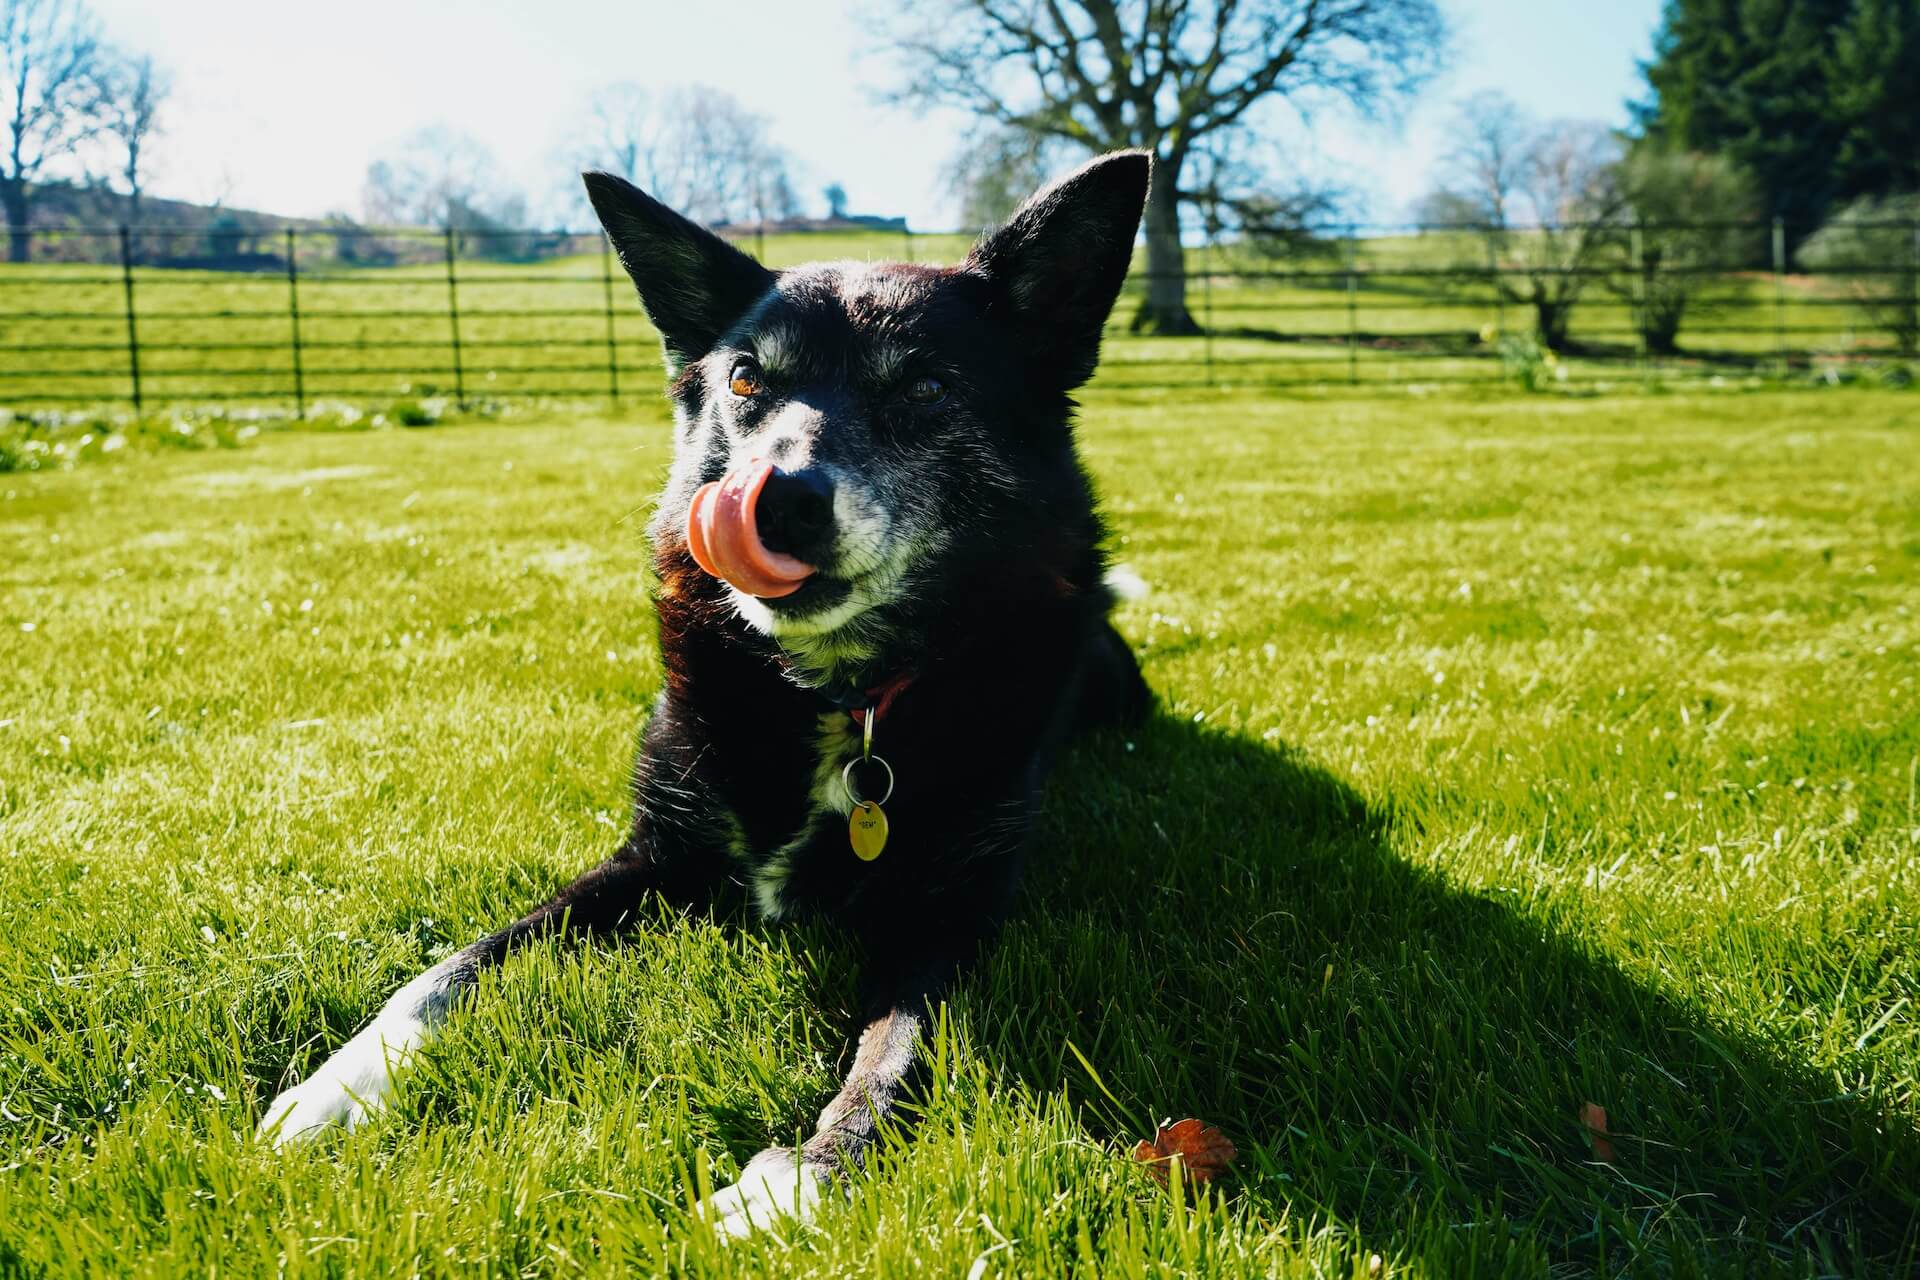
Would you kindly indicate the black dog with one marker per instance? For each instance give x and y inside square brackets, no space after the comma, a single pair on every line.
[883,609]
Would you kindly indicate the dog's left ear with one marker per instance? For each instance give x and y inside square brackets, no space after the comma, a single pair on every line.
[1058,263]
[693,284]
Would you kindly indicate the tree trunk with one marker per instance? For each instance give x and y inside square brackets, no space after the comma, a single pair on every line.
[1164,309]
[1660,319]
[1554,317]
[13,195]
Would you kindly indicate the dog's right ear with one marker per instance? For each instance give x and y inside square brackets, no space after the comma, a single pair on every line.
[1058,263]
[693,284]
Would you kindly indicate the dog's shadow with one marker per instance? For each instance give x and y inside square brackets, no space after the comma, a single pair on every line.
[1223,930]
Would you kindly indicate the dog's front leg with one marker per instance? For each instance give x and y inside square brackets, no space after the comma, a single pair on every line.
[784,1182]
[907,979]
[357,1080]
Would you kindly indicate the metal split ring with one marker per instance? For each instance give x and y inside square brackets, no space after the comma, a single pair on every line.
[846,779]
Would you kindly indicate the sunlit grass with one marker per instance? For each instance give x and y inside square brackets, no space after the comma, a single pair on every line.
[1512,755]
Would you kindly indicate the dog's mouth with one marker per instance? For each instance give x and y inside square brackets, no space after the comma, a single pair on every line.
[820,593]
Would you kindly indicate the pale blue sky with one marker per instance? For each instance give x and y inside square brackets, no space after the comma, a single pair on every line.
[280,106]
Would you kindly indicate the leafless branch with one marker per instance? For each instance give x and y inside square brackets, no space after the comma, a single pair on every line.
[48,88]
[1158,74]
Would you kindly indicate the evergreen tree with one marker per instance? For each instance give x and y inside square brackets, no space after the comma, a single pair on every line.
[1818,99]
[1876,68]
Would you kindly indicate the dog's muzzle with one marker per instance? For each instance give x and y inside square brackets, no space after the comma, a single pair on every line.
[760,529]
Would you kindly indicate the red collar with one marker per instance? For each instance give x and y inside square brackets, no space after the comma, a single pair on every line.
[881,696]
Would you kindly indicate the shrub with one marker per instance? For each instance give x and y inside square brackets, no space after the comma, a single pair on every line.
[1529,361]
[1695,216]
[411,413]
[1874,243]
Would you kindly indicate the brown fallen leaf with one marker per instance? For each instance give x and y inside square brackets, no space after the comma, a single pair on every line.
[1594,1117]
[1203,1150]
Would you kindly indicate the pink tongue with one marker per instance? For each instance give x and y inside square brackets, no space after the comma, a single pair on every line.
[724,541]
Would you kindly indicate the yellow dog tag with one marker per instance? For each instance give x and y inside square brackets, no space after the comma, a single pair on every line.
[867,830]
[867,824]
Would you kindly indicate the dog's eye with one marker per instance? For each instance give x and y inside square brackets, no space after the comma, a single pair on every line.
[926,391]
[745,381]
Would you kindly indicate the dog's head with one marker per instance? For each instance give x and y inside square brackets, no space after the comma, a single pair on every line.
[851,436]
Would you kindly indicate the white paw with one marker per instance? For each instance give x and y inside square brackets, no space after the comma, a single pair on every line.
[775,1184]
[1126,584]
[300,1113]
[349,1087]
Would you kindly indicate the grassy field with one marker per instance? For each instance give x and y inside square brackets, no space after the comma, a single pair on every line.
[563,328]
[1512,755]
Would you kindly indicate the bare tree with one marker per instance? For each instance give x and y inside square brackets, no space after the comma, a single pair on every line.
[997,168]
[49,99]
[1487,163]
[1233,184]
[1163,75]
[621,129]
[727,165]
[133,91]
[426,178]
[1573,204]
[1546,199]
[693,147]
[441,178]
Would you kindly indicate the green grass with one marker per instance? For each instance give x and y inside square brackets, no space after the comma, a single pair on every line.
[371,334]
[1512,755]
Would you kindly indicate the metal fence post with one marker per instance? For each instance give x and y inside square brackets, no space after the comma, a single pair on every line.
[1637,248]
[453,321]
[1353,307]
[1913,290]
[293,319]
[613,348]
[1499,293]
[1780,292]
[133,332]
[1206,296]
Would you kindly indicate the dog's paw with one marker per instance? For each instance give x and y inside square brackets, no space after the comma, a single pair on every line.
[352,1085]
[778,1183]
[1126,584]
[302,1112]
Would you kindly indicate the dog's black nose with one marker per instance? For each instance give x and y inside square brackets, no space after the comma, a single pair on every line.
[795,514]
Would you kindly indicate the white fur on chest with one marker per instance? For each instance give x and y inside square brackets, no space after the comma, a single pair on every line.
[837,743]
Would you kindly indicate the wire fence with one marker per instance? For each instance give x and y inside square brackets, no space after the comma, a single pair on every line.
[302,316]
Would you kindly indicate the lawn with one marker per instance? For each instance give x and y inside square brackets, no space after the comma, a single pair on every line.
[1513,754]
